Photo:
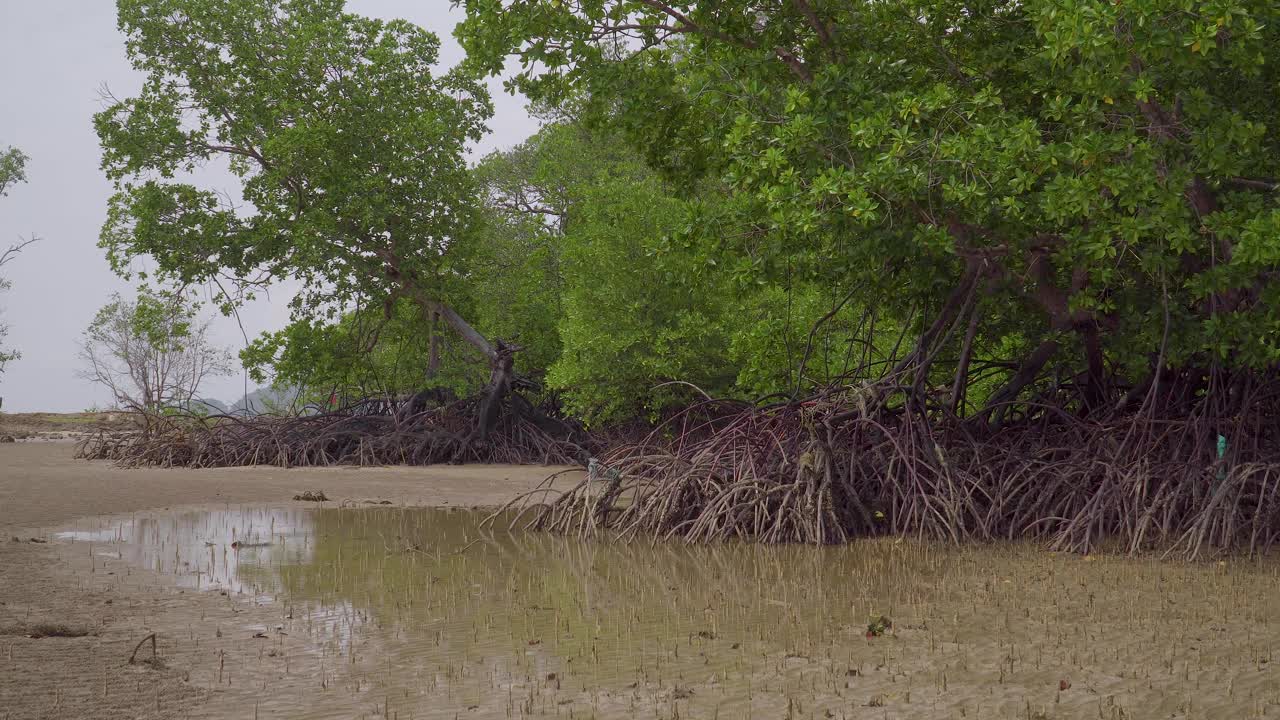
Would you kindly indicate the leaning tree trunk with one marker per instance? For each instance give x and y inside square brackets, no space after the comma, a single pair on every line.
[501,357]
[501,373]
[497,396]
[993,413]
[433,352]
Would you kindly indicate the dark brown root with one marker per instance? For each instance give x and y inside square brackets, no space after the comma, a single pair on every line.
[154,661]
[372,432]
[820,472]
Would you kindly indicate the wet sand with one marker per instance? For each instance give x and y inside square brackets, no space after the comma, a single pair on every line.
[42,488]
[42,485]
[393,612]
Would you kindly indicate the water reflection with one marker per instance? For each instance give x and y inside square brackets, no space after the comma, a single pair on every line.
[425,613]
[209,549]
[437,579]
[426,602]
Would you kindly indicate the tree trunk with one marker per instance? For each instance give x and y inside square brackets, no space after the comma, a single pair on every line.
[433,355]
[501,379]
[501,374]
[961,384]
[1025,375]
[501,367]
[1094,395]
[462,327]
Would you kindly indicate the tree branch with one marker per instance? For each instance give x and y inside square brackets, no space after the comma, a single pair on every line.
[12,252]
[796,64]
[1025,375]
[1263,184]
[819,27]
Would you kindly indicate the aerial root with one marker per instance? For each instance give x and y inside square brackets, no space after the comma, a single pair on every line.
[362,435]
[788,475]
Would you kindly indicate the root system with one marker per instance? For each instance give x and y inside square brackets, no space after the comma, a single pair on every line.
[827,470]
[374,432]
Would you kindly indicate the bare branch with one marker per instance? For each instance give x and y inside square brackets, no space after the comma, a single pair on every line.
[8,255]
[152,353]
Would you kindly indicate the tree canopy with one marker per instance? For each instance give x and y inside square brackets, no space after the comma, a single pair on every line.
[1091,180]
[13,169]
[347,145]
[965,199]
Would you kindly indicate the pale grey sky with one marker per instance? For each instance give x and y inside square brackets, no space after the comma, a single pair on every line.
[57,55]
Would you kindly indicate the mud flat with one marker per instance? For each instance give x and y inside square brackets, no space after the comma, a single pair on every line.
[43,490]
[263,606]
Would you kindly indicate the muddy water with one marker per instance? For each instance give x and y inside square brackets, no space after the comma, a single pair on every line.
[423,613]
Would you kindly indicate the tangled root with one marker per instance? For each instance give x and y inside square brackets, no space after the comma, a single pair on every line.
[819,473]
[365,434]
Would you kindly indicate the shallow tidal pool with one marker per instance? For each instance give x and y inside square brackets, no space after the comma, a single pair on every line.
[417,613]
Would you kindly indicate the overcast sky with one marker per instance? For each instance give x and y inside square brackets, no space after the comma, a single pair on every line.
[58,54]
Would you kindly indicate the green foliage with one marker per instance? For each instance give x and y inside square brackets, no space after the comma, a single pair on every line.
[348,149]
[1100,166]
[13,169]
[634,316]
[587,255]
[776,327]
[364,353]
[754,199]
[13,164]
[514,262]
[577,263]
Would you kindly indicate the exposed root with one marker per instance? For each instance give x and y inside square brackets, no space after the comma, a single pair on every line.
[154,661]
[369,433]
[818,472]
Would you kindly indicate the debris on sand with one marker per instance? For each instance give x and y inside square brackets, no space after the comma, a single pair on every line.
[47,630]
[878,626]
[154,662]
[312,496]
